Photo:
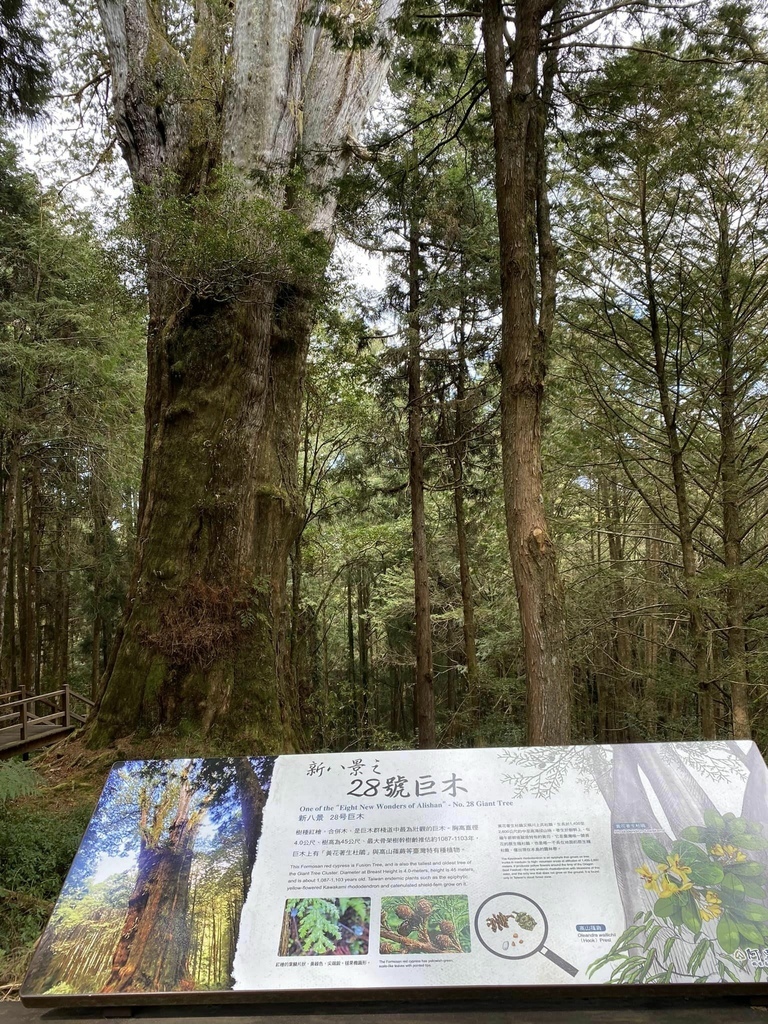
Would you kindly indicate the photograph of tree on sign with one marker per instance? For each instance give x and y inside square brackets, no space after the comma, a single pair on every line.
[153,900]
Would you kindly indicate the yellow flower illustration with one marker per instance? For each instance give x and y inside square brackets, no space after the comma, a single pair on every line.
[679,869]
[667,888]
[735,855]
[671,877]
[729,853]
[650,878]
[712,906]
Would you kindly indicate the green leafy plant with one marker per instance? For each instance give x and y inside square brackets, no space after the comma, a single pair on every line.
[709,906]
[319,927]
[36,850]
[16,780]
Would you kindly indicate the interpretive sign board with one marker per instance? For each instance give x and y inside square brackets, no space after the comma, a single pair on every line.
[224,879]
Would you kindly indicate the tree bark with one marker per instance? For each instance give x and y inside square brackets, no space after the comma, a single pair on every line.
[651,627]
[204,636]
[519,111]
[6,533]
[252,802]
[736,664]
[36,527]
[458,452]
[424,682]
[621,668]
[61,602]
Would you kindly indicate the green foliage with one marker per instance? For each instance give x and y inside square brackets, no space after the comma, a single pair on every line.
[316,926]
[219,242]
[36,850]
[25,72]
[16,779]
[71,397]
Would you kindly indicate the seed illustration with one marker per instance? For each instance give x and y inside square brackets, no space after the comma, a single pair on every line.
[496,922]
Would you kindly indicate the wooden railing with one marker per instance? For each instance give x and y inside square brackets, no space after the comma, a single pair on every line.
[18,711]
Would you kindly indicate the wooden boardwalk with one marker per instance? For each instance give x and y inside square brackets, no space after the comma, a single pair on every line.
[32,721]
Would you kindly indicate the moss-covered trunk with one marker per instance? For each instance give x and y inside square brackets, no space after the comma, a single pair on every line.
[203,643]
[228,144]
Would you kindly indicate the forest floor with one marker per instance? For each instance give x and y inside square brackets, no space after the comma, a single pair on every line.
[40,834]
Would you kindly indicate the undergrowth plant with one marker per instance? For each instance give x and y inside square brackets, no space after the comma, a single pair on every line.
[36,851]
[16,780]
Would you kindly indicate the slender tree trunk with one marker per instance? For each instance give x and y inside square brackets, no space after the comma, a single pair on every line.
[6,532]
[519,111]
[96,629]
[696,623]
[100,543]
[736,664]
[351,658]
[467,597]
[36,526]
[364,652]
[651,626]
[61,599]
[10,616]
[621,668]
[26,640]
[424,678]
[326,682]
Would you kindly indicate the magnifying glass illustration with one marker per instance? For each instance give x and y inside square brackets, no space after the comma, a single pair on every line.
[515,927]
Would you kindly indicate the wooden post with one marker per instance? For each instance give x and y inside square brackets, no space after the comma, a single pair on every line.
[66,705]
[23,713]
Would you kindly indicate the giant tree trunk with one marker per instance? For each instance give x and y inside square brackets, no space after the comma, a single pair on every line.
[519,112]
[253,799]
[204,637]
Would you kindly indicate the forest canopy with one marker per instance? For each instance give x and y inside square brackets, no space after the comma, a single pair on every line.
[410,393]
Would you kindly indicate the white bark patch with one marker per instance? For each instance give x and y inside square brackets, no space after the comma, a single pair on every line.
[291,98]
[295,98]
